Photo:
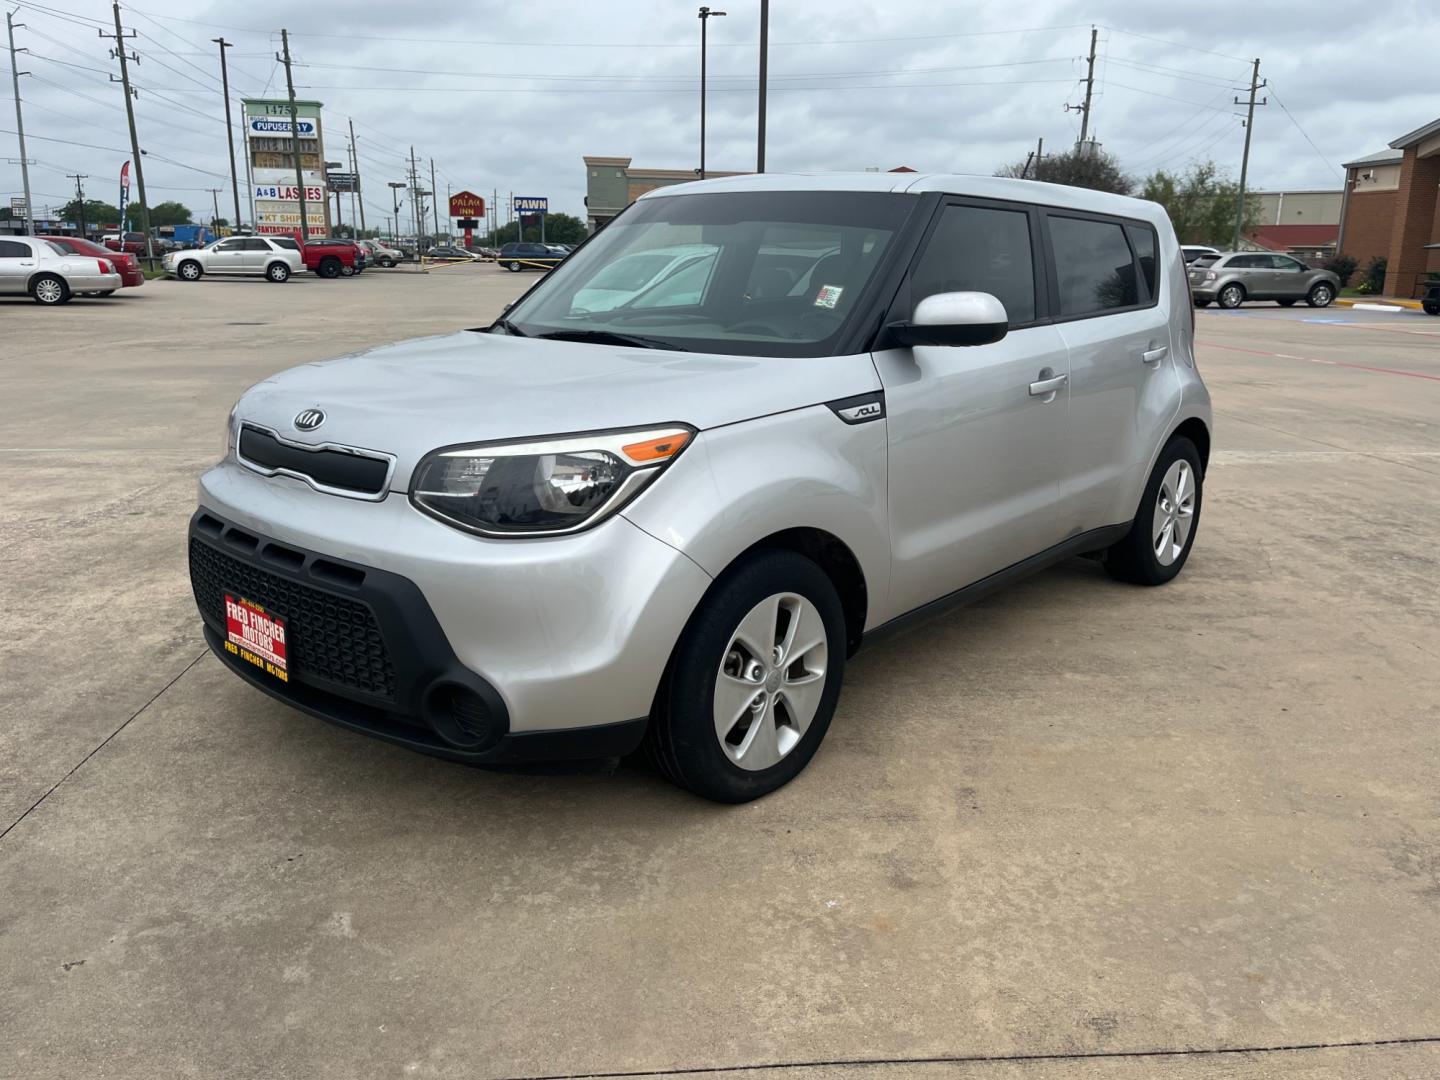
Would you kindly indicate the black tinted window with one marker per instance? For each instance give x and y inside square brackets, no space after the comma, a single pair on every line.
[1142,239]
[285,242]
[1093,266]
[1249,262]
[256,245]
[10,249]
[975,249]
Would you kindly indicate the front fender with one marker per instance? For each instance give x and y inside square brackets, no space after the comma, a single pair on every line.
[739,484]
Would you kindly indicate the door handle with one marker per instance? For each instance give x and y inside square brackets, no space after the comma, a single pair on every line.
[1048,386]
[1154,356]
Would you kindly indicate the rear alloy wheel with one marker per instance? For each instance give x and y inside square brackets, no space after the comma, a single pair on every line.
[347,271]
[1232,296]
[754,680]
[189,270]
[277,272]
[1320,295]
[514,267]
[49,290]
[1160,537]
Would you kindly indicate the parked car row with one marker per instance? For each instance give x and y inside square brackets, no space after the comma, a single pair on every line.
[272,257]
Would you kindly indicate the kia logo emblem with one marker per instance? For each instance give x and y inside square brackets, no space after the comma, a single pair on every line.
[309,419]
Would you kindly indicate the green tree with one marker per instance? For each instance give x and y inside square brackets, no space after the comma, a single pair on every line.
[165,213]
[1201,202]
[97,212]
[559,229]
[1087,167]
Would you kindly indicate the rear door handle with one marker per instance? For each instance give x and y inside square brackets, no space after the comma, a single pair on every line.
[1154,356]
[1047,386]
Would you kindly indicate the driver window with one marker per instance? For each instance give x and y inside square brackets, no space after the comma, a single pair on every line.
[976,249]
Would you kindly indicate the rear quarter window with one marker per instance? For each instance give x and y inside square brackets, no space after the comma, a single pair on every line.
[1094,268]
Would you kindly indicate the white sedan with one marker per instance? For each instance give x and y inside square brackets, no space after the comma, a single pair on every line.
[51,274]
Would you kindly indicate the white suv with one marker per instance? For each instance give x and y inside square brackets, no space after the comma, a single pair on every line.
[236,255]
[580,531]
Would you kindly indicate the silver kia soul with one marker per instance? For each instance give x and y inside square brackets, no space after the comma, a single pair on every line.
[743,428]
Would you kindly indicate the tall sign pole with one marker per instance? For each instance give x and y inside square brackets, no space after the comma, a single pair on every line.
[15,74]
[1255,85]
[294,133]
[355,168]
[119,53]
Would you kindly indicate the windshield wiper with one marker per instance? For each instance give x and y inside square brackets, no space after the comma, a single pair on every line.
[610,337]
[509,327]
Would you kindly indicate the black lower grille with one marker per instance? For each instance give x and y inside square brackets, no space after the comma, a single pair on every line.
[328,637]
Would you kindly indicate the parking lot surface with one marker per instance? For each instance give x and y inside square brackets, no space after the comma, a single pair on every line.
[1079,830]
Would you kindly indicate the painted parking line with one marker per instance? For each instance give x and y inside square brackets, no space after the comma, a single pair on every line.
[1317,360]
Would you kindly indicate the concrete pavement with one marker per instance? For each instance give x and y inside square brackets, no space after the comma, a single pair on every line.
[1078,819]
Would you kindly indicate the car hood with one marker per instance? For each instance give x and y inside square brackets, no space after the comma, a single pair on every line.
[410,398]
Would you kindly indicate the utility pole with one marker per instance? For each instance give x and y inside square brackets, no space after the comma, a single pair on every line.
[764,74]
[355,168]
[417,212]
[79,195]
[15,74]
[294,134]
[215,206]
[124,57]
[229,125]
[1084,110]
[1255,84]
[435,199]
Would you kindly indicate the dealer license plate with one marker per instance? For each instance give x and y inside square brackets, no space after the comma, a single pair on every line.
[255,635]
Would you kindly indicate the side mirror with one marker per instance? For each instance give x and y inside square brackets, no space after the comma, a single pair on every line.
[954,318]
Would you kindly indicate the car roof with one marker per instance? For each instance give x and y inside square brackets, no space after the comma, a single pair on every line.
[986,187]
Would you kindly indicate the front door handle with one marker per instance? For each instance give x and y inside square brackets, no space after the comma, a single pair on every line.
[1154,356]
[1048,386]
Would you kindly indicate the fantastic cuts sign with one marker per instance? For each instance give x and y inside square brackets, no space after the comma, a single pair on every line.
[278,127]
[289,192]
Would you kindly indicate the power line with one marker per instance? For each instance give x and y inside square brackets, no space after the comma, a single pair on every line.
[680,90]
[1175,44]
[1318,152]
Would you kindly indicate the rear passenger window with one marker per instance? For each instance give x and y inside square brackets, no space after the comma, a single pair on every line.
[1093,266]
[1142,239]
[977,249]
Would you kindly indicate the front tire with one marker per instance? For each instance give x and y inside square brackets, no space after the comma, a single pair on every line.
[1163,532]
[1320,295]
[190,270]
[753,682]
[1232,296]
[50,290]
[388,264]
[278,272]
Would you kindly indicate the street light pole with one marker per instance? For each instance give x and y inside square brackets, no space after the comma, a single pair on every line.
[764,76]
[705,16]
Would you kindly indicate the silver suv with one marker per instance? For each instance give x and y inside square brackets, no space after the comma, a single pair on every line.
[252,255]
[576,531]
[1233,278]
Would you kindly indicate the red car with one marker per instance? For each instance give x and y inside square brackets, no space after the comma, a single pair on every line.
[128,265]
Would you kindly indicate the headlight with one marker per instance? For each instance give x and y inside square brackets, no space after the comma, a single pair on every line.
[543,487]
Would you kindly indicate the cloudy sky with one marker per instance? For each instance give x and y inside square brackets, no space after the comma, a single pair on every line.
[510,96]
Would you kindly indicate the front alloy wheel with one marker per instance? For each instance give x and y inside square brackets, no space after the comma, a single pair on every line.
[770,682]
[1320,295]
[753,681]
[190,271]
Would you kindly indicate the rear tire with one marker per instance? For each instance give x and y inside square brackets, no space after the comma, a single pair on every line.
[1320,295]
[277,272]
[770,638]
[347,271]
[1163,532]
[1431,307]
[514,267]
[50,290]
[388,264]
[1232,296]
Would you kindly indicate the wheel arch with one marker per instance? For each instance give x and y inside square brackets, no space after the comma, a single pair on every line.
[1195,430]
[835,558]
[30,282]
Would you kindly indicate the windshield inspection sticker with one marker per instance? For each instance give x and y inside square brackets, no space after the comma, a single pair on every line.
[829,295]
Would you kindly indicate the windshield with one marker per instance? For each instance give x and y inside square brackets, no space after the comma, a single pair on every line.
[762,273]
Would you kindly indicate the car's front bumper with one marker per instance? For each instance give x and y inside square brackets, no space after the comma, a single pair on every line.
[483,650]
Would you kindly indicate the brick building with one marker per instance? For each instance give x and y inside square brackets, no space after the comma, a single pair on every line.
[1391,200]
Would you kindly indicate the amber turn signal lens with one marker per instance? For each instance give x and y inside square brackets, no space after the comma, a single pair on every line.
[667,446]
